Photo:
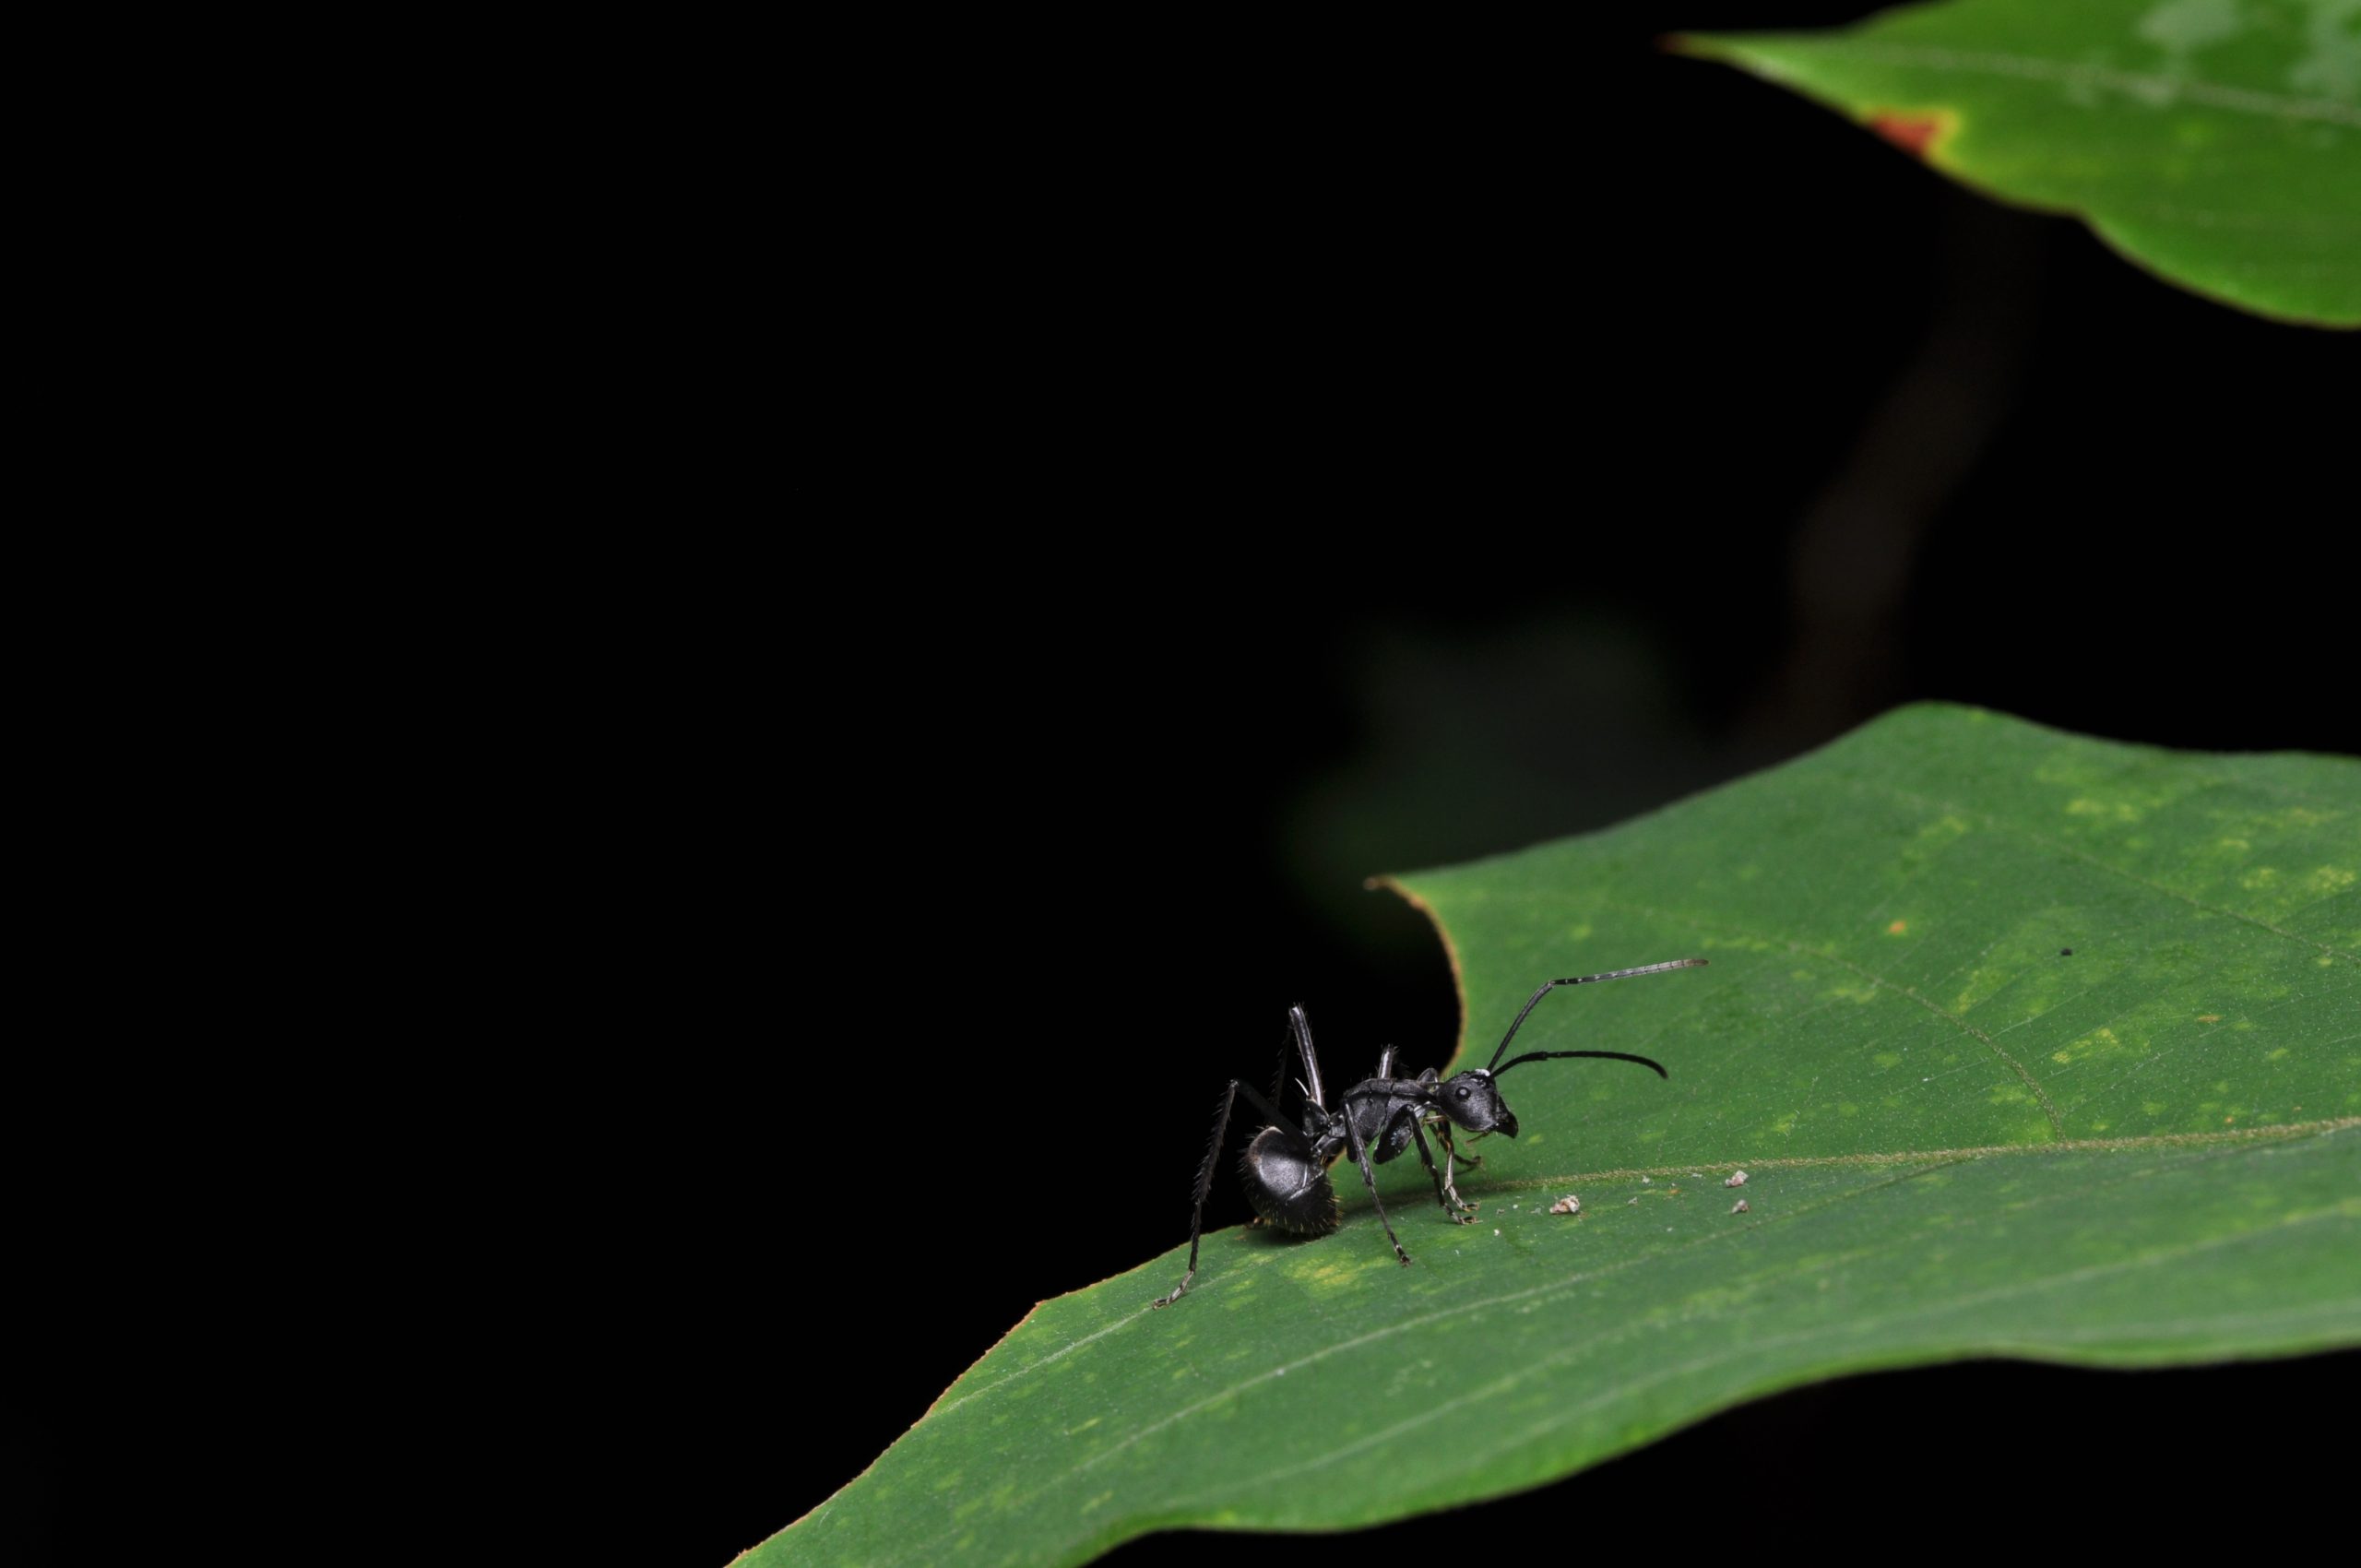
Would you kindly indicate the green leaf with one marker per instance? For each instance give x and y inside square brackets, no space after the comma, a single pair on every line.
[2217,142]
[1961,1140]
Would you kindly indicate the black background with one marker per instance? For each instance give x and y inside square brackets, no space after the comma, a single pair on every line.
[1310,457]
[1215,469]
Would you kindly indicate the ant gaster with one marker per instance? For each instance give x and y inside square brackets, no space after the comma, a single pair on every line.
[1286,1168]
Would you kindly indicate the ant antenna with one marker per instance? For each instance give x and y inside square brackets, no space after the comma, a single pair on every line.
[1534,1001]
[1609,1055]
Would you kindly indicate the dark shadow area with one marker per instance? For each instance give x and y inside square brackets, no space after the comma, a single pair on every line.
[729,943]
[29,1454]
[1403,456]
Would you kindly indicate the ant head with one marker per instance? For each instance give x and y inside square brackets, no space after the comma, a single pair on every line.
[1472,1100]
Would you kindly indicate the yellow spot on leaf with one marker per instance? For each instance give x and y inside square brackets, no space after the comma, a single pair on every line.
[2209,1017]
[1897,928]
[1324,1276]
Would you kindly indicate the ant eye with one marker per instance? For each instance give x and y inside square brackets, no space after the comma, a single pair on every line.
[1463,1094]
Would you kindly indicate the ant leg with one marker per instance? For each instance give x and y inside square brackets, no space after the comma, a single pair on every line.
[1369,1174]
[1206,1176]
[1473,1161]
[1445,1193]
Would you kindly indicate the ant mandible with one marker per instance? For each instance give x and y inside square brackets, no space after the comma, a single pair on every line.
[1285,1168]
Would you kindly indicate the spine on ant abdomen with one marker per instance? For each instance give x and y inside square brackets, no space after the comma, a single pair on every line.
[1289,1190]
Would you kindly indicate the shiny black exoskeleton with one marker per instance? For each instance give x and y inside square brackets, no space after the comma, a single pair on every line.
[1286,1166]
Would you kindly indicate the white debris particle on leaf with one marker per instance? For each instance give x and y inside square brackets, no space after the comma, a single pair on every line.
[1738,1207]
[1570,1204]
[1738,1180]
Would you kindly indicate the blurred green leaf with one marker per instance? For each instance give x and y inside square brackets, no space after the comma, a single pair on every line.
[2217,142]
[1961,1140]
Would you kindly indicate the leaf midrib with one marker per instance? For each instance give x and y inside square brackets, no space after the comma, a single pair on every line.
[1904,1156]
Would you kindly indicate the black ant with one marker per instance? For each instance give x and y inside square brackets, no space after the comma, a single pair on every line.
[1286,1170]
